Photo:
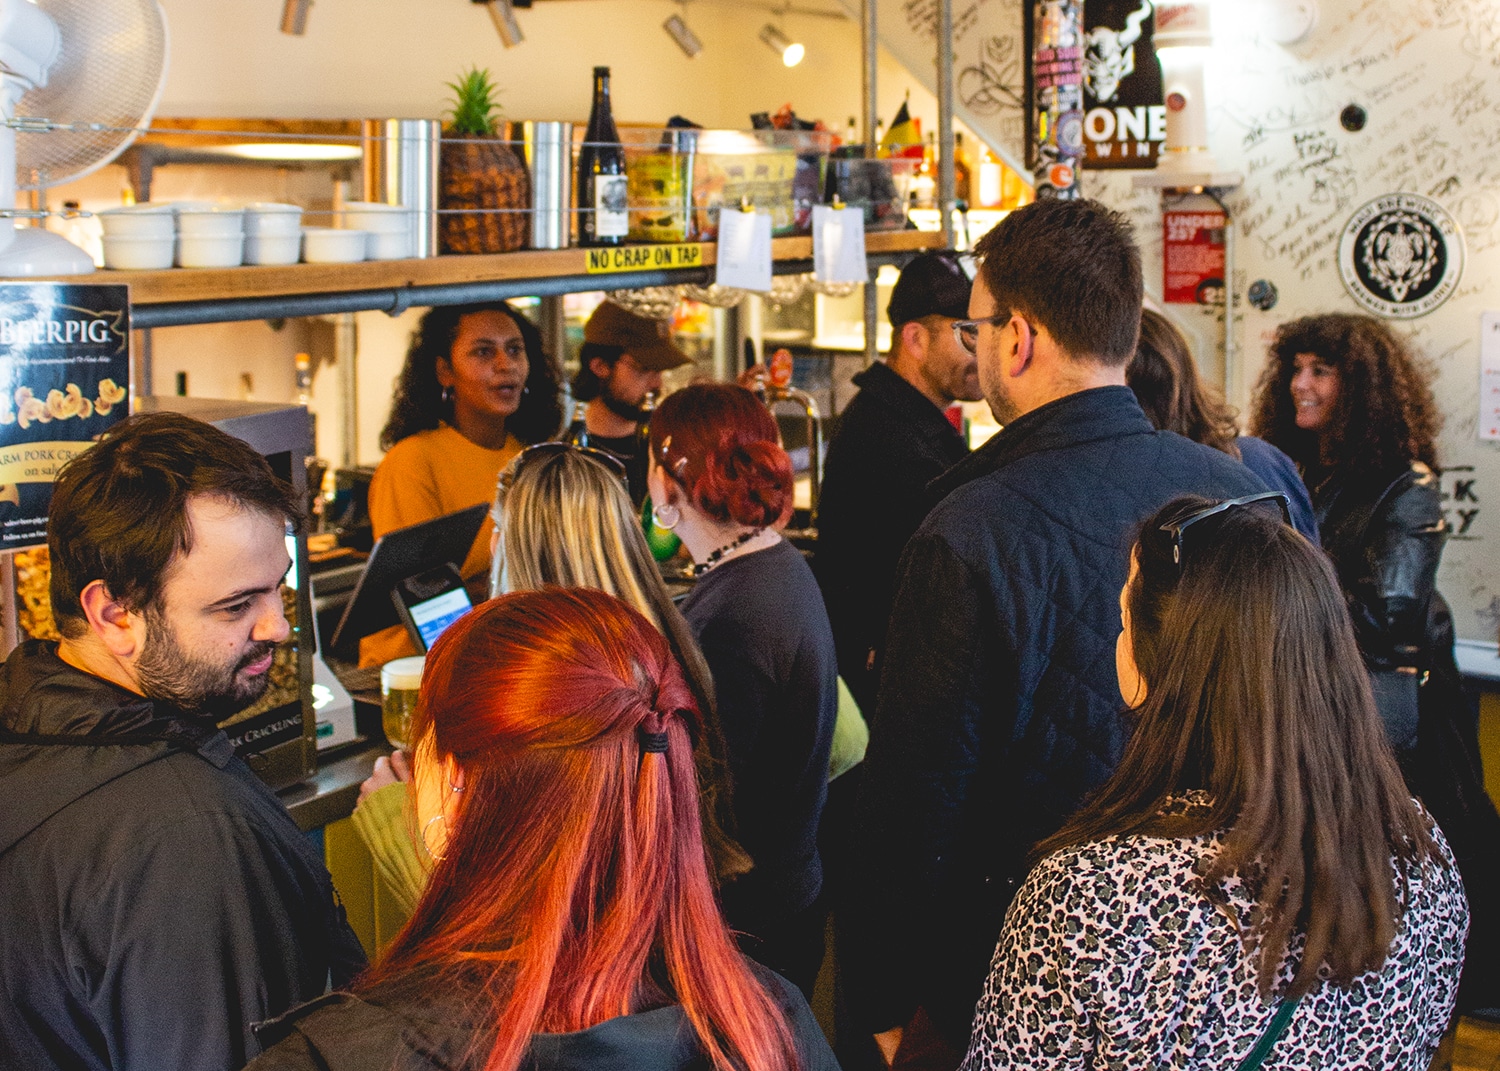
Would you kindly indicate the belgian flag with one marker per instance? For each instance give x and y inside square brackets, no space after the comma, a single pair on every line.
[904,138]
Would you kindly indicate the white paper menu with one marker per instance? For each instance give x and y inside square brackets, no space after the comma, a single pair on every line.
[839,245]
[744,255]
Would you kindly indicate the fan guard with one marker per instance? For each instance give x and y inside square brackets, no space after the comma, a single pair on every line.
[104,86]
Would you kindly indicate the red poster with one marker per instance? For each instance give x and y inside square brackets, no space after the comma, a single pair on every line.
[1193,257]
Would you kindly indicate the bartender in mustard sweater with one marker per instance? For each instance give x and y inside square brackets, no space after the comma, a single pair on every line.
[475,390]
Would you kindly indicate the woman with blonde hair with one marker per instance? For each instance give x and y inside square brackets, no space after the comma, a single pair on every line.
[563,518]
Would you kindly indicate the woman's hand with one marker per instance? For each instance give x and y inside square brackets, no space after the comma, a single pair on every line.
[388,771]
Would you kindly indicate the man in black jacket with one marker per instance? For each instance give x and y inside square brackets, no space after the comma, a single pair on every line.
[893,440]
[998,705]
[158,899]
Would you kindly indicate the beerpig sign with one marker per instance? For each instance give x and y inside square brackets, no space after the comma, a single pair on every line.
[64,380]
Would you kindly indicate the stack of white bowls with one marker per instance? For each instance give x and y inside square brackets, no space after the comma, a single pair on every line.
[389,226]
[209,235]
[273,233]
[138,237]
[333,245]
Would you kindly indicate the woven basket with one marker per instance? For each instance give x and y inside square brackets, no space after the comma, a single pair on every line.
[478,175]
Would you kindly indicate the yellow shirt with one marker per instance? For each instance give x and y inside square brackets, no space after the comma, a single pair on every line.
[426,475]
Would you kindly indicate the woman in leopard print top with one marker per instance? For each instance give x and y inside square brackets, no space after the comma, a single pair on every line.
[1146,936]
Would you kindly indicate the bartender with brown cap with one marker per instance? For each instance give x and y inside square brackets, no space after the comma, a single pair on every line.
[620,365]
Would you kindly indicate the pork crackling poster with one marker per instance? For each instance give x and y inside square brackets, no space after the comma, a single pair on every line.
[64,381]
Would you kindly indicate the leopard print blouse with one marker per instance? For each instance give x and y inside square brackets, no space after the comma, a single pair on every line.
[1111,958]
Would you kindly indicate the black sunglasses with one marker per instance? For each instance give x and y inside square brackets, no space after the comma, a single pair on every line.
[1178,528]
[540,451]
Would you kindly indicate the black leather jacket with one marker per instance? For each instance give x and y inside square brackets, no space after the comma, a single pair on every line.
[1385,533]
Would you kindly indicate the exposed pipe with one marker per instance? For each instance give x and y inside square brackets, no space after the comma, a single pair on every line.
[395,300]
[946,191]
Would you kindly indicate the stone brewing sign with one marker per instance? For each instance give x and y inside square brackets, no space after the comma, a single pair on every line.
[64,380]
[1124,122]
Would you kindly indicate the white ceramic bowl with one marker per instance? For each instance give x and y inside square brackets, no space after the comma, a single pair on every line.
[273,248]
[389,245]
[331,245]
[265,218]
[138,221]
[210,251]
[138,254]
[211,222]
[374,216]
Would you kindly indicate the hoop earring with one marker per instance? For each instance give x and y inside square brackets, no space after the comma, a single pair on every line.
[433,855]
[659,518]
[447,395]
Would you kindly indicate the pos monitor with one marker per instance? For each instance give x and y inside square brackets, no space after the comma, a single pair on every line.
[414,564]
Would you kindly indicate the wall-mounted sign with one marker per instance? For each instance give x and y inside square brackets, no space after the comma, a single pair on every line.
[1054,33]
[1124,121]
[1193,257]
[1401,255]
[64,380]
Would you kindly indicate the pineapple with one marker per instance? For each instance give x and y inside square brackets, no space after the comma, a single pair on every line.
[480,174]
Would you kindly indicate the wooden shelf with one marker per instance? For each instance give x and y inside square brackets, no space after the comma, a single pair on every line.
[180,285]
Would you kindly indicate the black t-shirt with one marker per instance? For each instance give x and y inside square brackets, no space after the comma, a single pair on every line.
[628,449]
[765,635]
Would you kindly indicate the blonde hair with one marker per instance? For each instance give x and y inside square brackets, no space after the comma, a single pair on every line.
[563,519]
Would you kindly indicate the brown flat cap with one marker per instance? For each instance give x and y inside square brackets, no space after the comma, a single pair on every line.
[649,342]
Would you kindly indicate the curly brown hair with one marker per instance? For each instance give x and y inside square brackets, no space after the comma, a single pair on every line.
[1165,381]
[1385,417]
[418,404]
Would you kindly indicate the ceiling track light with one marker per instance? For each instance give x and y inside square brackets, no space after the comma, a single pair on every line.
[503,13]
[294,17]
[686,39]
[791,52]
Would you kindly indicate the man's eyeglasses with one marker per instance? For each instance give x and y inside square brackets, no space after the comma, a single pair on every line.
[967,331]
[1177,529]
[541,451]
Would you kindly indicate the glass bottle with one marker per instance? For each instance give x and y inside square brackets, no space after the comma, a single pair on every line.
[578,428]
[603,216]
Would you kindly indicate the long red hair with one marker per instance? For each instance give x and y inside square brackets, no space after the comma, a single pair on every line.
[574,887]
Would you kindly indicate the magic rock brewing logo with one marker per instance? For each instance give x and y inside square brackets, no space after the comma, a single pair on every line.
[1401,255]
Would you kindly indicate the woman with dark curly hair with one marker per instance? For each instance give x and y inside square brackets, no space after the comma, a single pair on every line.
[476,388]
[1345,398]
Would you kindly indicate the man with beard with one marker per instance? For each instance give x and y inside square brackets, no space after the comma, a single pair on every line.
[158,897]
[893,439]
[621,362]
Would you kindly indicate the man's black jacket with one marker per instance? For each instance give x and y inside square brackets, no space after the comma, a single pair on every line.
[157,898]
[891,443]
[999,707]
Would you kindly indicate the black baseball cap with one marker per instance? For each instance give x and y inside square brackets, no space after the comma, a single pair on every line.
[933,284]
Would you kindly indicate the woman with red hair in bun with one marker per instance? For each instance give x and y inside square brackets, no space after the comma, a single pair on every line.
[569,923]
[722,482]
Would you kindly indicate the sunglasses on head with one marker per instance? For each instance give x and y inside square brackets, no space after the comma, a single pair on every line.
[1178,529]
[541,451]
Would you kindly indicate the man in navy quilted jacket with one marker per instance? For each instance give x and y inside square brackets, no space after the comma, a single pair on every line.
[998,708]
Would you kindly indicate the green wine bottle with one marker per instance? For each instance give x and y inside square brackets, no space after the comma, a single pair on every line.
[662,541]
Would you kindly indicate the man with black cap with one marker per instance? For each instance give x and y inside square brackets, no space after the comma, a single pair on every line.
[620,364]
[893,439]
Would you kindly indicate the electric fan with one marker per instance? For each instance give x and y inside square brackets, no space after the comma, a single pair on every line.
[78,81]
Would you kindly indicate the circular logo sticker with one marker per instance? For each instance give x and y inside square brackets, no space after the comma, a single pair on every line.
[1060,176]
[1401,255]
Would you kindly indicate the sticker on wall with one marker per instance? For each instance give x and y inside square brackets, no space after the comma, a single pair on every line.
[1401,255]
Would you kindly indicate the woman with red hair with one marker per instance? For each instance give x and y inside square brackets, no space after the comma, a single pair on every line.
[723,483]
[569,921]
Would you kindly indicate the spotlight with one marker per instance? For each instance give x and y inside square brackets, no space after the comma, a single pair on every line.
[790,51]
[294,17]
[685,38]
[504,15]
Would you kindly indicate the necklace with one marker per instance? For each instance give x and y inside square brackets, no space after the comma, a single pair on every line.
[728,548]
